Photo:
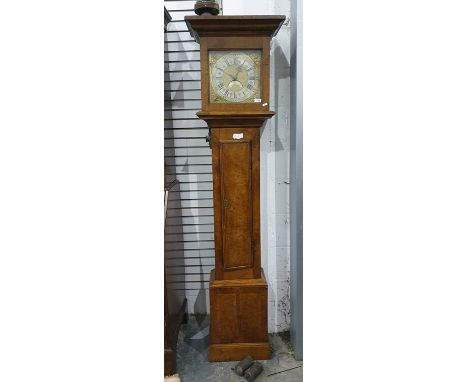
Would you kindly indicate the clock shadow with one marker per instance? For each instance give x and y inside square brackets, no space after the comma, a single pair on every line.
[282,72]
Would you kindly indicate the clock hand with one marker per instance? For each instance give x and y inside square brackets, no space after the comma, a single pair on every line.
[237,74]
[223,71]
[228,74]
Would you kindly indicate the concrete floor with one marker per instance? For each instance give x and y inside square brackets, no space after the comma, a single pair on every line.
[193,365]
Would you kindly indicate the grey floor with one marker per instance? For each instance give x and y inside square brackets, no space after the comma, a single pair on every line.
[193,365]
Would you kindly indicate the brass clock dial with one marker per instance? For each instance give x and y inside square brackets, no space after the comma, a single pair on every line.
[234,76]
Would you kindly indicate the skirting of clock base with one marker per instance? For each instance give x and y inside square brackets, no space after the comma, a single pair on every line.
[239,319]
[238,351]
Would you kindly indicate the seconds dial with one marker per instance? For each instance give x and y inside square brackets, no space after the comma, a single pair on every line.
[235,76]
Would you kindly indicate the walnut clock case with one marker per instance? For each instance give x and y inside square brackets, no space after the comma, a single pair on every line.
[235,82]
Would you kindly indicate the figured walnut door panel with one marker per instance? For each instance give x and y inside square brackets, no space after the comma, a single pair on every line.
[236,215]
[236,192]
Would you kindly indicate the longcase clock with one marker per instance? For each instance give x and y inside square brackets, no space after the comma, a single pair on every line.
[235,82]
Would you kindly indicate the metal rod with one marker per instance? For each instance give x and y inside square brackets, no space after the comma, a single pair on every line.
[282,371]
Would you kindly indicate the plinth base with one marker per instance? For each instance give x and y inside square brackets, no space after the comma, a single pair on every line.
[239,319]
[238,351]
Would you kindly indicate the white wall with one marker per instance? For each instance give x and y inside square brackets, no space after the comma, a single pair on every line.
[275,144]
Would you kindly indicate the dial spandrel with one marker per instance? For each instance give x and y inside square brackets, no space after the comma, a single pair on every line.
[234,76]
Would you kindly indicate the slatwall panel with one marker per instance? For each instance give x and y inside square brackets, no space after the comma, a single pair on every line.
[189,233]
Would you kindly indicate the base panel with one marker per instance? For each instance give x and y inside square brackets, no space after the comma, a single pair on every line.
[239,319]
[238,351]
